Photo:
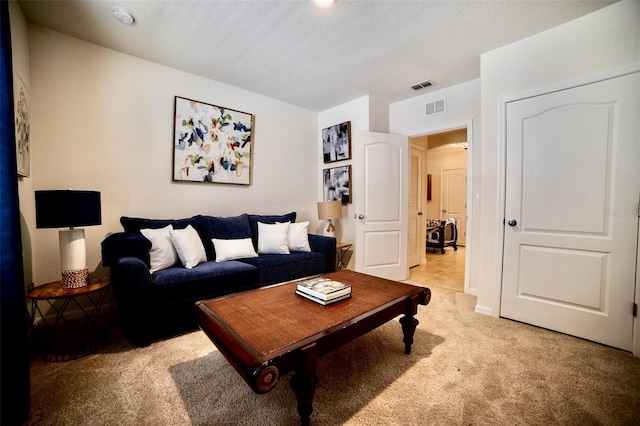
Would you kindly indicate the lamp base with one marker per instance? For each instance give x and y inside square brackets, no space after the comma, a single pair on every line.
[73,258]
[330,231]
[76,278]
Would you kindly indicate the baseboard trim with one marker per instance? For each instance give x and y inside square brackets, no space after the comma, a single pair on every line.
[479,309]
[70,315]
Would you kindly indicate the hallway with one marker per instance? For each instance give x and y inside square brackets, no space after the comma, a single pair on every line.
[441,270]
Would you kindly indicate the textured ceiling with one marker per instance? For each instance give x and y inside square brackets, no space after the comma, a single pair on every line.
[310,56]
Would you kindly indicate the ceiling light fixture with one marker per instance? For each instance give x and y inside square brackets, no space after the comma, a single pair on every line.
[123,15]
[325,3]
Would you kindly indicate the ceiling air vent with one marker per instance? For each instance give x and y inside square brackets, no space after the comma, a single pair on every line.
[435,107]
[422,85]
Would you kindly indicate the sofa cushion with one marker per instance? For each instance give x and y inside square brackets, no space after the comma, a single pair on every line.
[222,228]
[273,238]
[208,279]
[188,246]
[233,249]
[255,218]
[133,225]
[276,268]
[162,254]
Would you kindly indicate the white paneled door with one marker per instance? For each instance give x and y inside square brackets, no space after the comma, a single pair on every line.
[454,200]
[571,210]
[417,231]
[381,172]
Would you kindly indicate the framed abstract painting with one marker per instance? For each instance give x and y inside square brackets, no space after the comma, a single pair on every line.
[211,144]
[336,142]
[337,184]
[22,126]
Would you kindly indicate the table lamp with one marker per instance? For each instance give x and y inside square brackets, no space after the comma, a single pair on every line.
[68,208]
[328,210]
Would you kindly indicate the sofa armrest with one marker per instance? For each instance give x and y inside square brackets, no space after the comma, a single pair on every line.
[132,288]
[124,244]
[326,246]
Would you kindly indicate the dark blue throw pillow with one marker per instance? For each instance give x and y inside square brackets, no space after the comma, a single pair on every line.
[222,228]
[133,225]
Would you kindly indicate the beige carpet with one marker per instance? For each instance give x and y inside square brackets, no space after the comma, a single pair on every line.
[465,369]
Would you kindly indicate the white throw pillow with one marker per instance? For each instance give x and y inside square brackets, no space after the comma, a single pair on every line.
[162,253]
[241,248]
[273,238]
[189,246]
[299,237]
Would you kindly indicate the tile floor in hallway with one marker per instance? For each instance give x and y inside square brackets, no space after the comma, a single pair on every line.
[441,270]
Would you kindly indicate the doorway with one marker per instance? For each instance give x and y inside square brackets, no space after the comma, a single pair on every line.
[445,158]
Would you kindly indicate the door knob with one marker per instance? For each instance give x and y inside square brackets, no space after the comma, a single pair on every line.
[444,211]
[360,216]
[419,213]
[512,222]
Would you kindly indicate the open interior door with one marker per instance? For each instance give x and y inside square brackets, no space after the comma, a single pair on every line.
[417,231]
[381,176]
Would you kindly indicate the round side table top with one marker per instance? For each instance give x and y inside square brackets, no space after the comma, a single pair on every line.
[54,290]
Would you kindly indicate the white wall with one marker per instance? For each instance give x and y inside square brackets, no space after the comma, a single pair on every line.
[462,106]
[21,69]
[358,112]
[462,103]
[103,120]
[600,41]
[378,115]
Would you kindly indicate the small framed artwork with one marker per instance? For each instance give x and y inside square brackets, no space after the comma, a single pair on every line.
[336,142]
[429,187]
[22,126]
[211,143]
[337,184]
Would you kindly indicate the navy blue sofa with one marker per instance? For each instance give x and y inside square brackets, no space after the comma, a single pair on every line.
[150,305]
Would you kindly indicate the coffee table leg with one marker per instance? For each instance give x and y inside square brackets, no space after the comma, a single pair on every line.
[409,324]
[305,382]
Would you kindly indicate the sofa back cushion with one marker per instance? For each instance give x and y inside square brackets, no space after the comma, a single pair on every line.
[133,225]
[222,228]
[255,218]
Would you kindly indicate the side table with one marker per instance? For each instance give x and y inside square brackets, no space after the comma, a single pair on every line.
[341,250]
[64,337]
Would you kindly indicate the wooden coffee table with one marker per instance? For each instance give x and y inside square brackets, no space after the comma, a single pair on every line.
[269,332]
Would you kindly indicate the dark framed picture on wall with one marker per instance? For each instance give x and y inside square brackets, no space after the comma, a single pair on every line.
[337,184]
[336,142]
[22,126]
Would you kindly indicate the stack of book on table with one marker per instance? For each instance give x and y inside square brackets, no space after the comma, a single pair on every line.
[323,290]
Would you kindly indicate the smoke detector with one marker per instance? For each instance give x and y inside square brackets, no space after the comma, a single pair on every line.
[123,15]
